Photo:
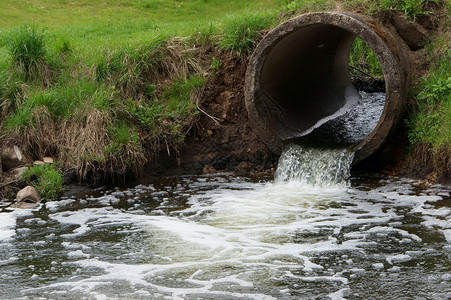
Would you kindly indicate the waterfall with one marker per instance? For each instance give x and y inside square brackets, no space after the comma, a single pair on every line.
[314,166]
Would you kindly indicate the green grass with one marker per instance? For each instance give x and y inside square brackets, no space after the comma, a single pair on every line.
[431,124]
[241,31]
[26,46]
[302,6]
[57,12]
[61,101]
[364,59]
[47,180]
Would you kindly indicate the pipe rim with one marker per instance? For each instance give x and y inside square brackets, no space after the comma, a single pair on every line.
[381,42]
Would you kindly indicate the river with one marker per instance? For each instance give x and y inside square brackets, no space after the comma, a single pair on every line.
[229,237]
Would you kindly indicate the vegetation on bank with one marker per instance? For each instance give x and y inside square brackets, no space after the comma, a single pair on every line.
[47,180]
[107,88]
[429,122]
[110,95]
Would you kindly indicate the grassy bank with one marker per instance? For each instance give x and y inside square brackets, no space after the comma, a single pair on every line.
[429,121]
[107,85]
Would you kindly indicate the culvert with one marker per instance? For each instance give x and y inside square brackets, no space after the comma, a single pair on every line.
[298,81]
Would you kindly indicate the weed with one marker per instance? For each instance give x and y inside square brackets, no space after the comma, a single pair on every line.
[60,102]
[124,151]
[363,58]
[12,90]
[178,96]
[241,32]
[413,8]
[47,180]
[169,115]
[130,70]
[63,46]
[26,45]
[215,65]
[431,124]
[301,6]
[145,114]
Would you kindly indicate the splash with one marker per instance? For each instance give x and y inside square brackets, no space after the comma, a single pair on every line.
[314,167]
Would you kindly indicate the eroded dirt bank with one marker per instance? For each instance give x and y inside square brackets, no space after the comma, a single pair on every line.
[222,140]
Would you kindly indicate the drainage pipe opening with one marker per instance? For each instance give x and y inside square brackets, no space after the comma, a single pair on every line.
[299,89]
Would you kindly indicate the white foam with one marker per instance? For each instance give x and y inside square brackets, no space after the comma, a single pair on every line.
[8,223]
[447,234]
[399,258]
[231,241]
[77,254]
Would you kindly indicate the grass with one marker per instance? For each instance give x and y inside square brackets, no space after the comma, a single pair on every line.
[120,11]
[27,46]
[241,31]
[303,6]
[364,59]
[429,126]
[47,180]
[109,84]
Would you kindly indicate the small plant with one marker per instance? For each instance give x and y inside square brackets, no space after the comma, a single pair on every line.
[413,8]
[26,44]
[124,152]
[297,6]
[431,124]
[215,65]
[178,95]
[47,180]
[241,31]
[363,58]
[63,47]
[122,136]
[11,91]
[146,114]
[292,6]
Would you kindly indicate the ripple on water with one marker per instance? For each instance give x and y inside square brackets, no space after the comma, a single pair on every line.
[229,238]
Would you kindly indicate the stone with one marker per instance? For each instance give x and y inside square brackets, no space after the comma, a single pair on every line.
[18,172]
[48,160]
[27,197]
[11,158]
[208,169]
[38,163]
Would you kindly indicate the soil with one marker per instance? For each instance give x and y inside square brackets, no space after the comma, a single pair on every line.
[223,139]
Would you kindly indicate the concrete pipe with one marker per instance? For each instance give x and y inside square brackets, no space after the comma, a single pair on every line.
[298,81]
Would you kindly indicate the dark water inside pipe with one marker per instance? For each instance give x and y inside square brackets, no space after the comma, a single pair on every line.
[351,127]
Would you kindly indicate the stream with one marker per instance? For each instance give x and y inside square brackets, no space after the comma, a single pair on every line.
[228,237]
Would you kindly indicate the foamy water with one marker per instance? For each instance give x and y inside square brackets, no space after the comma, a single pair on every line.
[223,237]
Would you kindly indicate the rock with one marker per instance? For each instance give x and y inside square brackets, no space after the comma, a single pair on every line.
[27,197]
[208,169]
[38,163]
[48,160]
[18,172]
[11,158]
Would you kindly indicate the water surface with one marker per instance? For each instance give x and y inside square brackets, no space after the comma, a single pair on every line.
[225,237]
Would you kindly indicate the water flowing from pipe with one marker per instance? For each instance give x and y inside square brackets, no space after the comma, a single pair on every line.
[314,167]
